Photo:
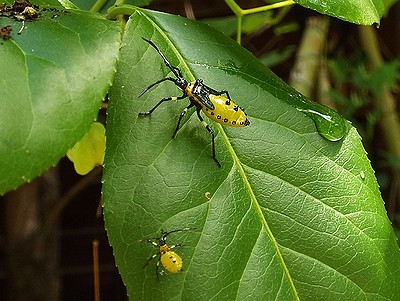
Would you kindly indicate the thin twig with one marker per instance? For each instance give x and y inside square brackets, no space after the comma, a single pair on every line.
[96,275]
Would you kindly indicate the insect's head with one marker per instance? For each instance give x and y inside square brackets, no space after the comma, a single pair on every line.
[181,83]
[163,239]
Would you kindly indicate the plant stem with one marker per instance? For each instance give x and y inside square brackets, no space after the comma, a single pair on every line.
[234,7]
[239,12]
[308,58]
[123,9]
[267,7]
[389,121]
[97,6]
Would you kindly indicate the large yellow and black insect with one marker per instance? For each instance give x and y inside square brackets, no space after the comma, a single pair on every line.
[212,102]
[171,261]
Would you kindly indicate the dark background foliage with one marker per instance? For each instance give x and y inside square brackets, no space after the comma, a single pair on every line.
[75,224]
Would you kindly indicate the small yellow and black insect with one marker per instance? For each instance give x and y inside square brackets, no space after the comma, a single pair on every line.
[216,106]
[171,261]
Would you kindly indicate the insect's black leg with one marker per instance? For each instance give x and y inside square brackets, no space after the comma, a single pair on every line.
[215,92]
[211,133]
[180,118]
[223,92]
[150,241]
[160,102]
[176,245]
[156,83]
[150,258]
[226,93]
[158,267]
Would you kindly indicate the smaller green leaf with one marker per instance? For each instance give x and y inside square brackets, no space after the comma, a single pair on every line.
[277,57]
[53,77]
[254,22]
[365,12]
[88,152]
[227,25]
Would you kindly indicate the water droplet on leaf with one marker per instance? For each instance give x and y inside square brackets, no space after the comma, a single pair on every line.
[330,124]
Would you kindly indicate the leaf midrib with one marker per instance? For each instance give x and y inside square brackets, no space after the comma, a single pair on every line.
[236,162]
[253,198]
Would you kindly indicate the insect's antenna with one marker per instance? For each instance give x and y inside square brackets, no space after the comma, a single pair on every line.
[175,70]
[165,234]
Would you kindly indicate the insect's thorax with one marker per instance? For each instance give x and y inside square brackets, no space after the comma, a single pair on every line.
[193,92]
[189,88]
[164,249]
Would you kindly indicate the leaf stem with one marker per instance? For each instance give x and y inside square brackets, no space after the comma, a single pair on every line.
[267,7]
[256,204]
[97,6]
[239,12]
[122,9]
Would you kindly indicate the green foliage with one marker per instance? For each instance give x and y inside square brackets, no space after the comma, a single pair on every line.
[89,4]
[387,75]
[350,74]
[275,58]
[365,12]
[250,24]
[290,215]
[53,78]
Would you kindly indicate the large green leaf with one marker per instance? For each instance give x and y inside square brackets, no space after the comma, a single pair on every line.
[53,77]
[290,215]
[365,12]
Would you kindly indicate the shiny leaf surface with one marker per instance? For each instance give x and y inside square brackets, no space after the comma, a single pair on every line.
[289,216]
[53,77]
[365,12]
